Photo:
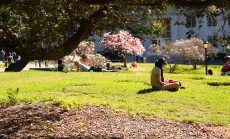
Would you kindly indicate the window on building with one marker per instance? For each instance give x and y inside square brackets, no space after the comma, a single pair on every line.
[166,31]
[160,41]
[190,21]
[211,21]
[213,40]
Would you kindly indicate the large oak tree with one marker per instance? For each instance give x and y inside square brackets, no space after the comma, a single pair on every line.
[62,24]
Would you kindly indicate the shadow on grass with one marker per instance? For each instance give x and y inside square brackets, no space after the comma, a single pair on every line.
[198,78]
[131,81]
[219,83]
[145,91]
[149,90]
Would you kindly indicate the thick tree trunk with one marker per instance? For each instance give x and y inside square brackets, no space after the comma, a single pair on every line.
[72,43]
[5,2]
[125,60]
[18,66]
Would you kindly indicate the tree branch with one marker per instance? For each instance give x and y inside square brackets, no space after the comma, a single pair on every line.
[6,2]
[72,43]
[196,4]
[179,3]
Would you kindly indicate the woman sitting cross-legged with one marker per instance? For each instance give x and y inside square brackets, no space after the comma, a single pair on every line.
[84,64]
[157,78]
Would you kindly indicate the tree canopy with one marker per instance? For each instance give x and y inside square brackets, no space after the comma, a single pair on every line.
[63,24]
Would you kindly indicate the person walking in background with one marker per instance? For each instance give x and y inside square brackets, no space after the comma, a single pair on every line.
[3,55]
[226,68]
[40,63]
[10,59]
[46,63]
[14,57]
[36,63]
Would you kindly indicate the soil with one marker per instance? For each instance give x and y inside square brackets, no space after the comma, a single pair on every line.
[37,121]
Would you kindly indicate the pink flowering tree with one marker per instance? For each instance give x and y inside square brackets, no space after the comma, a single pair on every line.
[124,43]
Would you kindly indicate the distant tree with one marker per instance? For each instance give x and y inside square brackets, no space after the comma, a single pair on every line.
[193,50]
[123,42]
[168,51]
[86,47]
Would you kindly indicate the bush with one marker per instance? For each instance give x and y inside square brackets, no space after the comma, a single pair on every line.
[220,56]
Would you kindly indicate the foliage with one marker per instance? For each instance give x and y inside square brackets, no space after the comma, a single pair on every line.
[123,42]
[12,96]
[85,47]
[193,49]
[63,24]
[98,60]
[54,22]
[220,56]
[169,52]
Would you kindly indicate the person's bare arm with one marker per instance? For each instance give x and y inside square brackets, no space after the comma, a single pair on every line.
[158,77]
[90,62]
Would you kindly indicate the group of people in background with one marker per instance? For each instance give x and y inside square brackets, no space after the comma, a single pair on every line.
[39,63]
[85,64]
[9,57]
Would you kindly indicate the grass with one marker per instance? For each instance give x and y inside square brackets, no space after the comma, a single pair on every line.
[2,65]
[205,99]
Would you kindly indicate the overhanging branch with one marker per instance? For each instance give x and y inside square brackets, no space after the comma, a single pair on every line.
[5,2]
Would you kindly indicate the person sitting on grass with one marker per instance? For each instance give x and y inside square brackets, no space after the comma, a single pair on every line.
[84,63]
[226,68]
[80,66]
[134,64]
[61,66]
[157,78]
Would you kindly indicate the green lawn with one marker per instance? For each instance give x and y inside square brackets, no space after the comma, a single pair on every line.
[2,65]
[205,99]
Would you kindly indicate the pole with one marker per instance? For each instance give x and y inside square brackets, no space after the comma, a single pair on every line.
[206,65]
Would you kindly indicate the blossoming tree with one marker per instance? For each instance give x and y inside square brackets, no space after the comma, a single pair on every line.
[86,47]
[194,51]
[169,52]
[124,43]
[191,50]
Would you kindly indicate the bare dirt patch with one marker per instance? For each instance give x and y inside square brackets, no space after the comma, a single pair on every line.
[37,121]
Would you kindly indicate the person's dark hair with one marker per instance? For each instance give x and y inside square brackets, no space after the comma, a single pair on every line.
[84,56]
[159,64]
[210,72]
[59,62]
[226,58]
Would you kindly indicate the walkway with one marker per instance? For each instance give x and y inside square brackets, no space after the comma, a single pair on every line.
[28,66]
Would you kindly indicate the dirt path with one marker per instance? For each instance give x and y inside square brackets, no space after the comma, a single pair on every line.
[36,121]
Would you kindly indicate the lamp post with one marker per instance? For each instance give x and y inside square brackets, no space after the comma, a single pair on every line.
[227,48]
[206,65]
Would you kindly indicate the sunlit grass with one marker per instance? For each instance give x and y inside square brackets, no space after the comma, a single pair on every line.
[205,99]
[2,65]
